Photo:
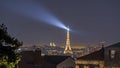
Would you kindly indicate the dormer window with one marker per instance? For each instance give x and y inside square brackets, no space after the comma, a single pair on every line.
[112,54]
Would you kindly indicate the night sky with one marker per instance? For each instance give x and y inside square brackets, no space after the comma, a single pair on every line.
[91,21]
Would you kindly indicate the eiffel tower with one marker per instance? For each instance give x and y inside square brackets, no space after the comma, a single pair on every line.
[68,49]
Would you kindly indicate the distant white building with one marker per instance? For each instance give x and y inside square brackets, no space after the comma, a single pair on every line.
[52,44]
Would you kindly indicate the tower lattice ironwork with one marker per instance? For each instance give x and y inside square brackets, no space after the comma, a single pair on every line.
[68,49]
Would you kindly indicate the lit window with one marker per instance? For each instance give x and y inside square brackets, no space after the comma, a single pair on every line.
[112,53]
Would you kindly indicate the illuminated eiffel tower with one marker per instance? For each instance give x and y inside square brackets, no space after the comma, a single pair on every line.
[68,49]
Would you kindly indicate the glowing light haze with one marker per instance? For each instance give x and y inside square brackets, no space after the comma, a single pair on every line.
[34,11]
[44,21]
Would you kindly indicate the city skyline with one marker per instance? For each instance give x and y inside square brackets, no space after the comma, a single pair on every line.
[90,21]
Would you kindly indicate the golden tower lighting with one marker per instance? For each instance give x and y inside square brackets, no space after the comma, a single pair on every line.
[68,49]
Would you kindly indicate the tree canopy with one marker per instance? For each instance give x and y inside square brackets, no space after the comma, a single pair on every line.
[9,46]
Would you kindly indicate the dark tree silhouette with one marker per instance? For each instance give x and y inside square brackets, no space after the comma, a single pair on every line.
[9,47]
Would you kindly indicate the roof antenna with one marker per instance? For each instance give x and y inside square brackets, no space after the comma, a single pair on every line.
[102,44]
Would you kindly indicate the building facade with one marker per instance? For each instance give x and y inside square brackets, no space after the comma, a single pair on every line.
[112,56]
[108,57]
[93,60]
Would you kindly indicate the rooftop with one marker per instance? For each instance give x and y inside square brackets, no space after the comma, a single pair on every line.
[97,55]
